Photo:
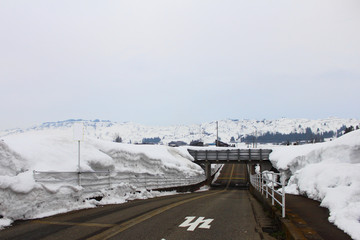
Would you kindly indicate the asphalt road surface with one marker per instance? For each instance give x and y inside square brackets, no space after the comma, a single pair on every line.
[228,211]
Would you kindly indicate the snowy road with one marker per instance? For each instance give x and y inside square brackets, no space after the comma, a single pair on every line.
[222,213]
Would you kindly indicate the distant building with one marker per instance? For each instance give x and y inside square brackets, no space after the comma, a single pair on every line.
[197,143]
[221,144]
[177,143]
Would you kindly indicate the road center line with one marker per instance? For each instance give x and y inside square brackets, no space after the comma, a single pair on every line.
[103,225]
[122,227]
[231,175]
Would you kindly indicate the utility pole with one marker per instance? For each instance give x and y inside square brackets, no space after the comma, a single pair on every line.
[217,133]
[256,136]
[255,139]
[79,168]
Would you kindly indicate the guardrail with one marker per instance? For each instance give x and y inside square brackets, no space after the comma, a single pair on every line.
[94,181]
[269,183]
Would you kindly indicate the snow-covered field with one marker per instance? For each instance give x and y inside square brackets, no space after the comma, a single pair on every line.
[55,150]
[328,172]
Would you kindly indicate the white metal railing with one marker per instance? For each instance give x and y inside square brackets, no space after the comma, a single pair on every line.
[94,181]
[271,184]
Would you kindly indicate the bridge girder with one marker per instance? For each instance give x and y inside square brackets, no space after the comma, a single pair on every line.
[231,156]
[244,156]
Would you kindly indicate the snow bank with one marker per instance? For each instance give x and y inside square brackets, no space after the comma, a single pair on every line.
[10,162]
[55,150]
[327,172]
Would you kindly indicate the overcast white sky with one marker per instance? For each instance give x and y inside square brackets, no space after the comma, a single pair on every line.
[178,62]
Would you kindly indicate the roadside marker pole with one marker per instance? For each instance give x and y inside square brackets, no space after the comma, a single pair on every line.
[79,169]
[109,177]
[78,136]
[272,192]
[262,183]
[267,187]
[283,193]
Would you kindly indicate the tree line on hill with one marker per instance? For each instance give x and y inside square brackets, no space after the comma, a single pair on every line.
[296,138]
[274,138]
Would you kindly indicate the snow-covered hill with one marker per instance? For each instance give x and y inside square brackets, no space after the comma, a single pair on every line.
[134,133]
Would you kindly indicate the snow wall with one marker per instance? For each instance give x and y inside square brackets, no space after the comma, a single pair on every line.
[56,150]
[327,172]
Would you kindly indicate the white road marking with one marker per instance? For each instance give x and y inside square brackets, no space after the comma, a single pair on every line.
[205,223]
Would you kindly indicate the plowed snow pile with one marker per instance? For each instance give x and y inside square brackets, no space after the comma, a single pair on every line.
[55,150]
[327,172]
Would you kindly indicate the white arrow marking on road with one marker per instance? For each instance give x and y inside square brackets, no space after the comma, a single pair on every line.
[205,223]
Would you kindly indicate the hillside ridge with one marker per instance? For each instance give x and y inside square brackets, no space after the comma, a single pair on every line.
[234,129]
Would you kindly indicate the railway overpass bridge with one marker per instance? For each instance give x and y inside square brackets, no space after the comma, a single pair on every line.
[250,157]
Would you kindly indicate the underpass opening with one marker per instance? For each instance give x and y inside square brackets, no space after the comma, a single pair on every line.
[238,164]
[232,176]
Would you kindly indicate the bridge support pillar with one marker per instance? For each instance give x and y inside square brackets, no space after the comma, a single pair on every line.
[265,166]
[208,173]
